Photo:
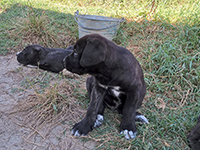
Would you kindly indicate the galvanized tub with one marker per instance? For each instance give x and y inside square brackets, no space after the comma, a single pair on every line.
[105,26]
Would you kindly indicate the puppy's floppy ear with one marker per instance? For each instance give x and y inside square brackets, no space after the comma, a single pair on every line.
[93,53]
[38,48]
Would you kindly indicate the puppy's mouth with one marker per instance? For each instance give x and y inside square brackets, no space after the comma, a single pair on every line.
[24,63]
[73,69]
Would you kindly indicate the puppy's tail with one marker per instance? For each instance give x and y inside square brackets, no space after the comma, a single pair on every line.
[141,118]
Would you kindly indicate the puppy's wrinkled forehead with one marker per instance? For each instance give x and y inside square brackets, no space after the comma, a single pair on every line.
[91,38]
[27,51]
[80,44]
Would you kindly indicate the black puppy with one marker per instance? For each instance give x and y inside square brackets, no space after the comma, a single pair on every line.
[117,82]
[194,137]
[50,59]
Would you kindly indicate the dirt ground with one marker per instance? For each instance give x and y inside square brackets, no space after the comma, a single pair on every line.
[13,134]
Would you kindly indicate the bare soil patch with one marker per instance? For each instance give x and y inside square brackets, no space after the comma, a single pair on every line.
[16,129]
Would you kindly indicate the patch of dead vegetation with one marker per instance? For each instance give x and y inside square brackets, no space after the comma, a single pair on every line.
[35,29]
[55,105]
[136,50]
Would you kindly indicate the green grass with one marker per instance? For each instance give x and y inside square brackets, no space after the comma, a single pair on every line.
[163,35]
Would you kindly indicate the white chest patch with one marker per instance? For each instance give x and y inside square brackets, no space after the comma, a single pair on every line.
[116,92]
[114,89]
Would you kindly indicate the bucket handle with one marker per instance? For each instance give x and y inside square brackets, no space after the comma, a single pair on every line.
[77,13]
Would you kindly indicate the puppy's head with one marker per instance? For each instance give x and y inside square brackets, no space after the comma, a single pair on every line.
[30,55]
[88,54]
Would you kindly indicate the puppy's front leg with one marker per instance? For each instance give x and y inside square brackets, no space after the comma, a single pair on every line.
[96,103]
[128,127]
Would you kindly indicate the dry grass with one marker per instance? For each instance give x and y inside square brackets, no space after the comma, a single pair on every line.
[169,56]
[55,105]
[35,28]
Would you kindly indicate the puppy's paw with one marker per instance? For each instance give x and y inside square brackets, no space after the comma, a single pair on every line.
[142,119]
[128,128]
[129,134]
[75,132]
[98,121]
[82,128]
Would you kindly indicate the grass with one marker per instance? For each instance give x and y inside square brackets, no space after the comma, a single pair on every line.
[163,35]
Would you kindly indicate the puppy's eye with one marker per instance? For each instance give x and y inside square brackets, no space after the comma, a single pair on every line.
[75,52]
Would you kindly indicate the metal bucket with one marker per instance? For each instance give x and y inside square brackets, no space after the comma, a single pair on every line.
[105,26]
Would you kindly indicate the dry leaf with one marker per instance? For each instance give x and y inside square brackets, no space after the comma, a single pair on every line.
[160,104]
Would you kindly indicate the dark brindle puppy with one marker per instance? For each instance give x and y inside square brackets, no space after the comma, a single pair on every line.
[117,82]
[50,59]
[194,137]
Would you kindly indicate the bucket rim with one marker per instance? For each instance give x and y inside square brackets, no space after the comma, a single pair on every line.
[98,18]
[77,17]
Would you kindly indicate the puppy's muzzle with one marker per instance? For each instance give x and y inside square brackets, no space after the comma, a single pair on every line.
[18,53]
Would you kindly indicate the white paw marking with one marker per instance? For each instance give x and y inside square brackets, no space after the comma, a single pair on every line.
[129,134]
[77,133]
[98,121]
[141,119]
[72,132]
